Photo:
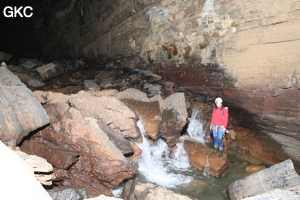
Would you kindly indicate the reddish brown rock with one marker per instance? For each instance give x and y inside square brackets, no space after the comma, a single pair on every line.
[56,155]
[201,158]
[259,145]
[100,164]
[254,168]
[148,109]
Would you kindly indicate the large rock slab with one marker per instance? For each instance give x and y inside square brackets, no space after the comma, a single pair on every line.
[20,113]
[281,176]
[99,164]
[201,158]
[110,110]
[17,178]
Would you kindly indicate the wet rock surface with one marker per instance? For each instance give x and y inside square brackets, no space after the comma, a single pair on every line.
[201,158]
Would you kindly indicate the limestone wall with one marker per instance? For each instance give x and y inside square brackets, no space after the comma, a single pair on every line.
[254,44]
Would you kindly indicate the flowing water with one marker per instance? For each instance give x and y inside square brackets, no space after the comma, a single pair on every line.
[172,169]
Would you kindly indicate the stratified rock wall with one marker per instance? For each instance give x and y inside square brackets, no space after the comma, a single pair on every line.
[245,51]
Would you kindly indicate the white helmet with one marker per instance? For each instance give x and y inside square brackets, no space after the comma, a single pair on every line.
[218,100]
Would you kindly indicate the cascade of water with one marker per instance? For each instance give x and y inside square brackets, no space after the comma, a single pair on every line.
[195,128]
[153,163]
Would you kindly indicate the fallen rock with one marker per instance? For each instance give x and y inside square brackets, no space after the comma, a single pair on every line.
[17,178]
[148,109]
[174,116]
[201,158]
[49,71]
[65,193]
[90,84]
[281,176]
[100,165]
[57,155]
[35,82]
[110,110]
[117,138]
[29,64]
[290,194]
[161,118]
[42,169]
[146,190]
[21,113]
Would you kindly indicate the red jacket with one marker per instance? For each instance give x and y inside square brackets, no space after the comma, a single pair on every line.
[220,117]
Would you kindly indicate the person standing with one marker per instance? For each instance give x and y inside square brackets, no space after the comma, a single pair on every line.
[218,125]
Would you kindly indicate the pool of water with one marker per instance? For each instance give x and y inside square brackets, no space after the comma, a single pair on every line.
[201,186]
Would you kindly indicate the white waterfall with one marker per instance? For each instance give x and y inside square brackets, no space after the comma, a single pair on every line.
[155,164]
[195,128]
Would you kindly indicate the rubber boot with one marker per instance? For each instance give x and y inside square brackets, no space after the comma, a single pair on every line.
[216,150]
[221,152]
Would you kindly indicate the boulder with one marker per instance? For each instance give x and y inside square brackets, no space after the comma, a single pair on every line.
[90,84]
[99,164]
[147,109]
[34,82]
[21,113]
[161,118]
[290,194]
[42,169]
[201,158]
[66,193]
[57,111]
[110,110]
[17,178]
[58,156]
[29,64]
[281,176]
[117,138]
[49,71]
[146,190]
[174,116]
